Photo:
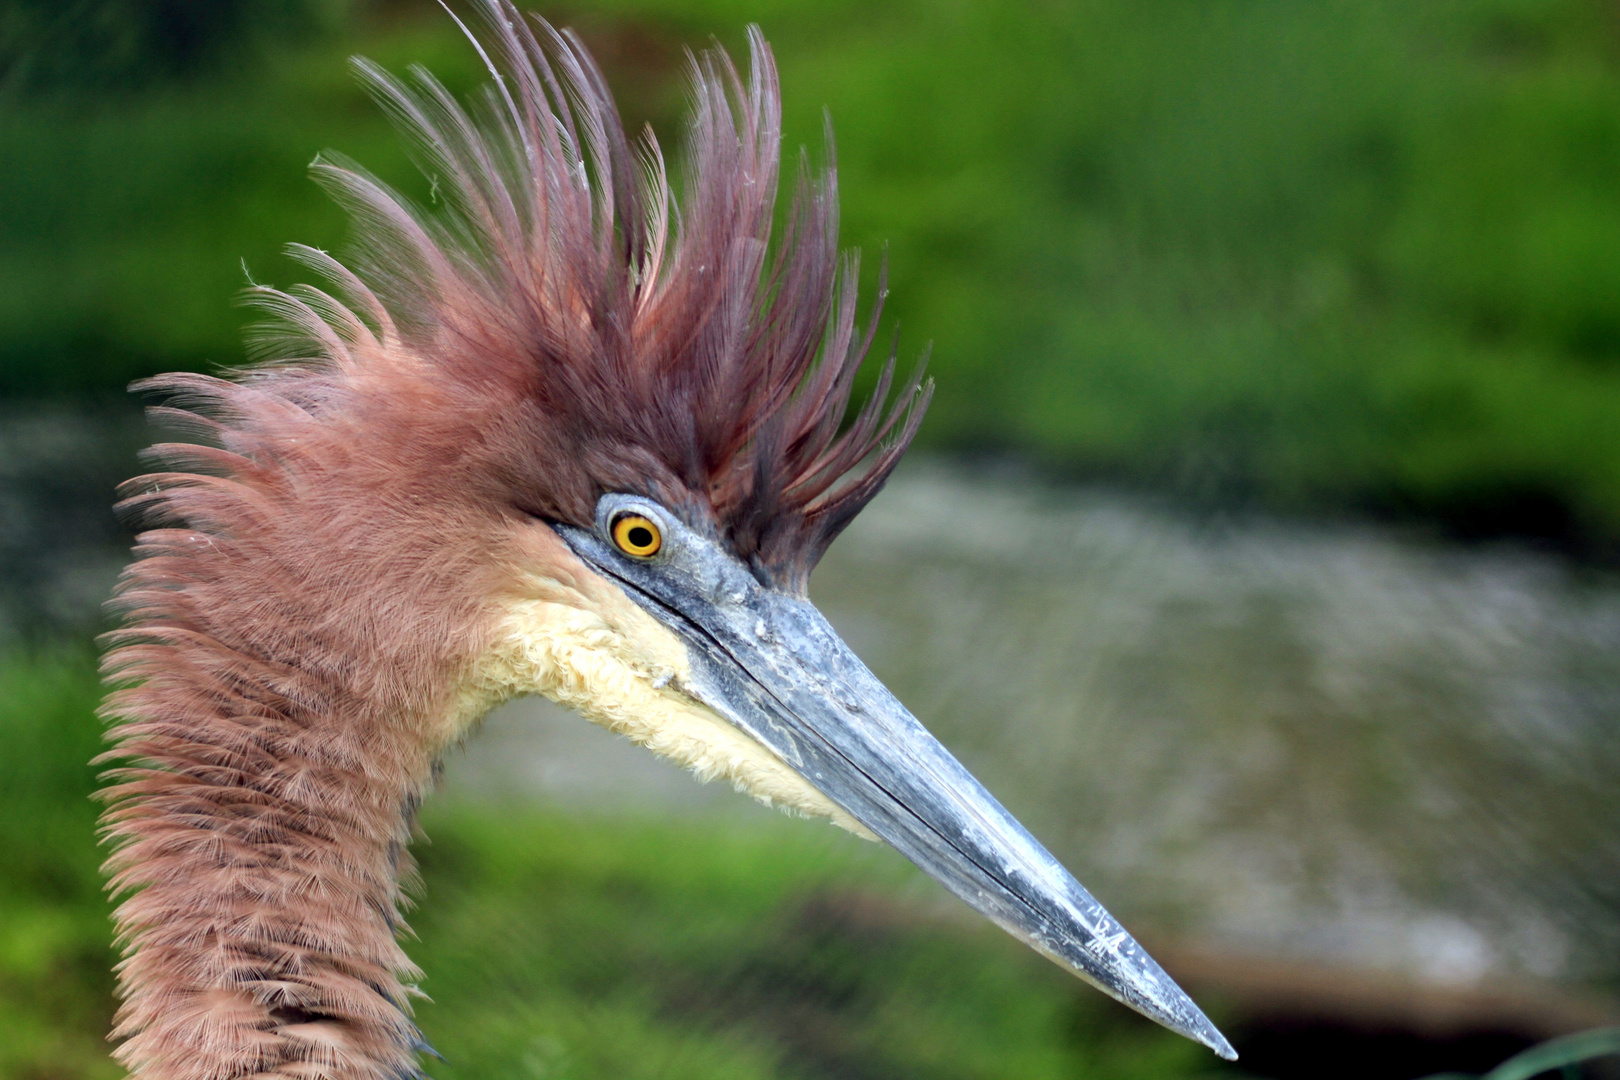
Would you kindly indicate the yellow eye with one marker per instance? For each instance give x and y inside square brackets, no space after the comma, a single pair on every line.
[637,536]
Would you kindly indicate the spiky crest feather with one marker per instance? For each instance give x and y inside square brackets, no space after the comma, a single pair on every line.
[691,363]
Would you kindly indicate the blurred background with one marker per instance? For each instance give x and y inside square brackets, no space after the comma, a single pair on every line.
[1259,550]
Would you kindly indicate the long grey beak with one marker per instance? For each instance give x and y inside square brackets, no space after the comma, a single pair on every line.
[772,665]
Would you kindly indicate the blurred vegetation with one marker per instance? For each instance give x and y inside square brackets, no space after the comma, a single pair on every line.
[55,949]
[564,947]
[119,45]
[1563,1054]
[1349,255]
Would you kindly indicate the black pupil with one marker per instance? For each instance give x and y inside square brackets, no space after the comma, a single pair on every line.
[640,536]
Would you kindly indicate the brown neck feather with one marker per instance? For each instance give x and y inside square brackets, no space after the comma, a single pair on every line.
[295,637]
[264,828]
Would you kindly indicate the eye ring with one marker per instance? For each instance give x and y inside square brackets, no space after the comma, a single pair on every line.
[637,536]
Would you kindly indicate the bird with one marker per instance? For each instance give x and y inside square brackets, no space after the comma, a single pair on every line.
[569,428]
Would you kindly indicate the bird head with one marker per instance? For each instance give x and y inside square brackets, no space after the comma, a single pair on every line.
[548,436]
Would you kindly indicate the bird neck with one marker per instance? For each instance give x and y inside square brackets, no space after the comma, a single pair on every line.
[261,834]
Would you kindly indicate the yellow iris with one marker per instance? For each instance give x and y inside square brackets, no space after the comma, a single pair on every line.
[637,536]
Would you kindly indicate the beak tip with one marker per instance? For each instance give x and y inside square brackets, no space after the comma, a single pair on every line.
[1217,1042]
[1144,986]
[1196,1026]
[1190,1021]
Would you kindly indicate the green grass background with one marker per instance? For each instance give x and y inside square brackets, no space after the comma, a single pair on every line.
[1350,255]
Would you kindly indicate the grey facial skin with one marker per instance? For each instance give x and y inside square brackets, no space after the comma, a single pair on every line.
[773,666]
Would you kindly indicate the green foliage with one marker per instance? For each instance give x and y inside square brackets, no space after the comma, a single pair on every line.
[130,229]
[1356,253]
[1300,254]
[117,45]
[1563,1054]
[55,953]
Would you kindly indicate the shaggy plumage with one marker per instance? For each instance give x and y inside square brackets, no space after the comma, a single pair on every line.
[320,572]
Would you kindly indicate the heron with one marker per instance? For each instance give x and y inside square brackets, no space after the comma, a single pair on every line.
[571,429]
